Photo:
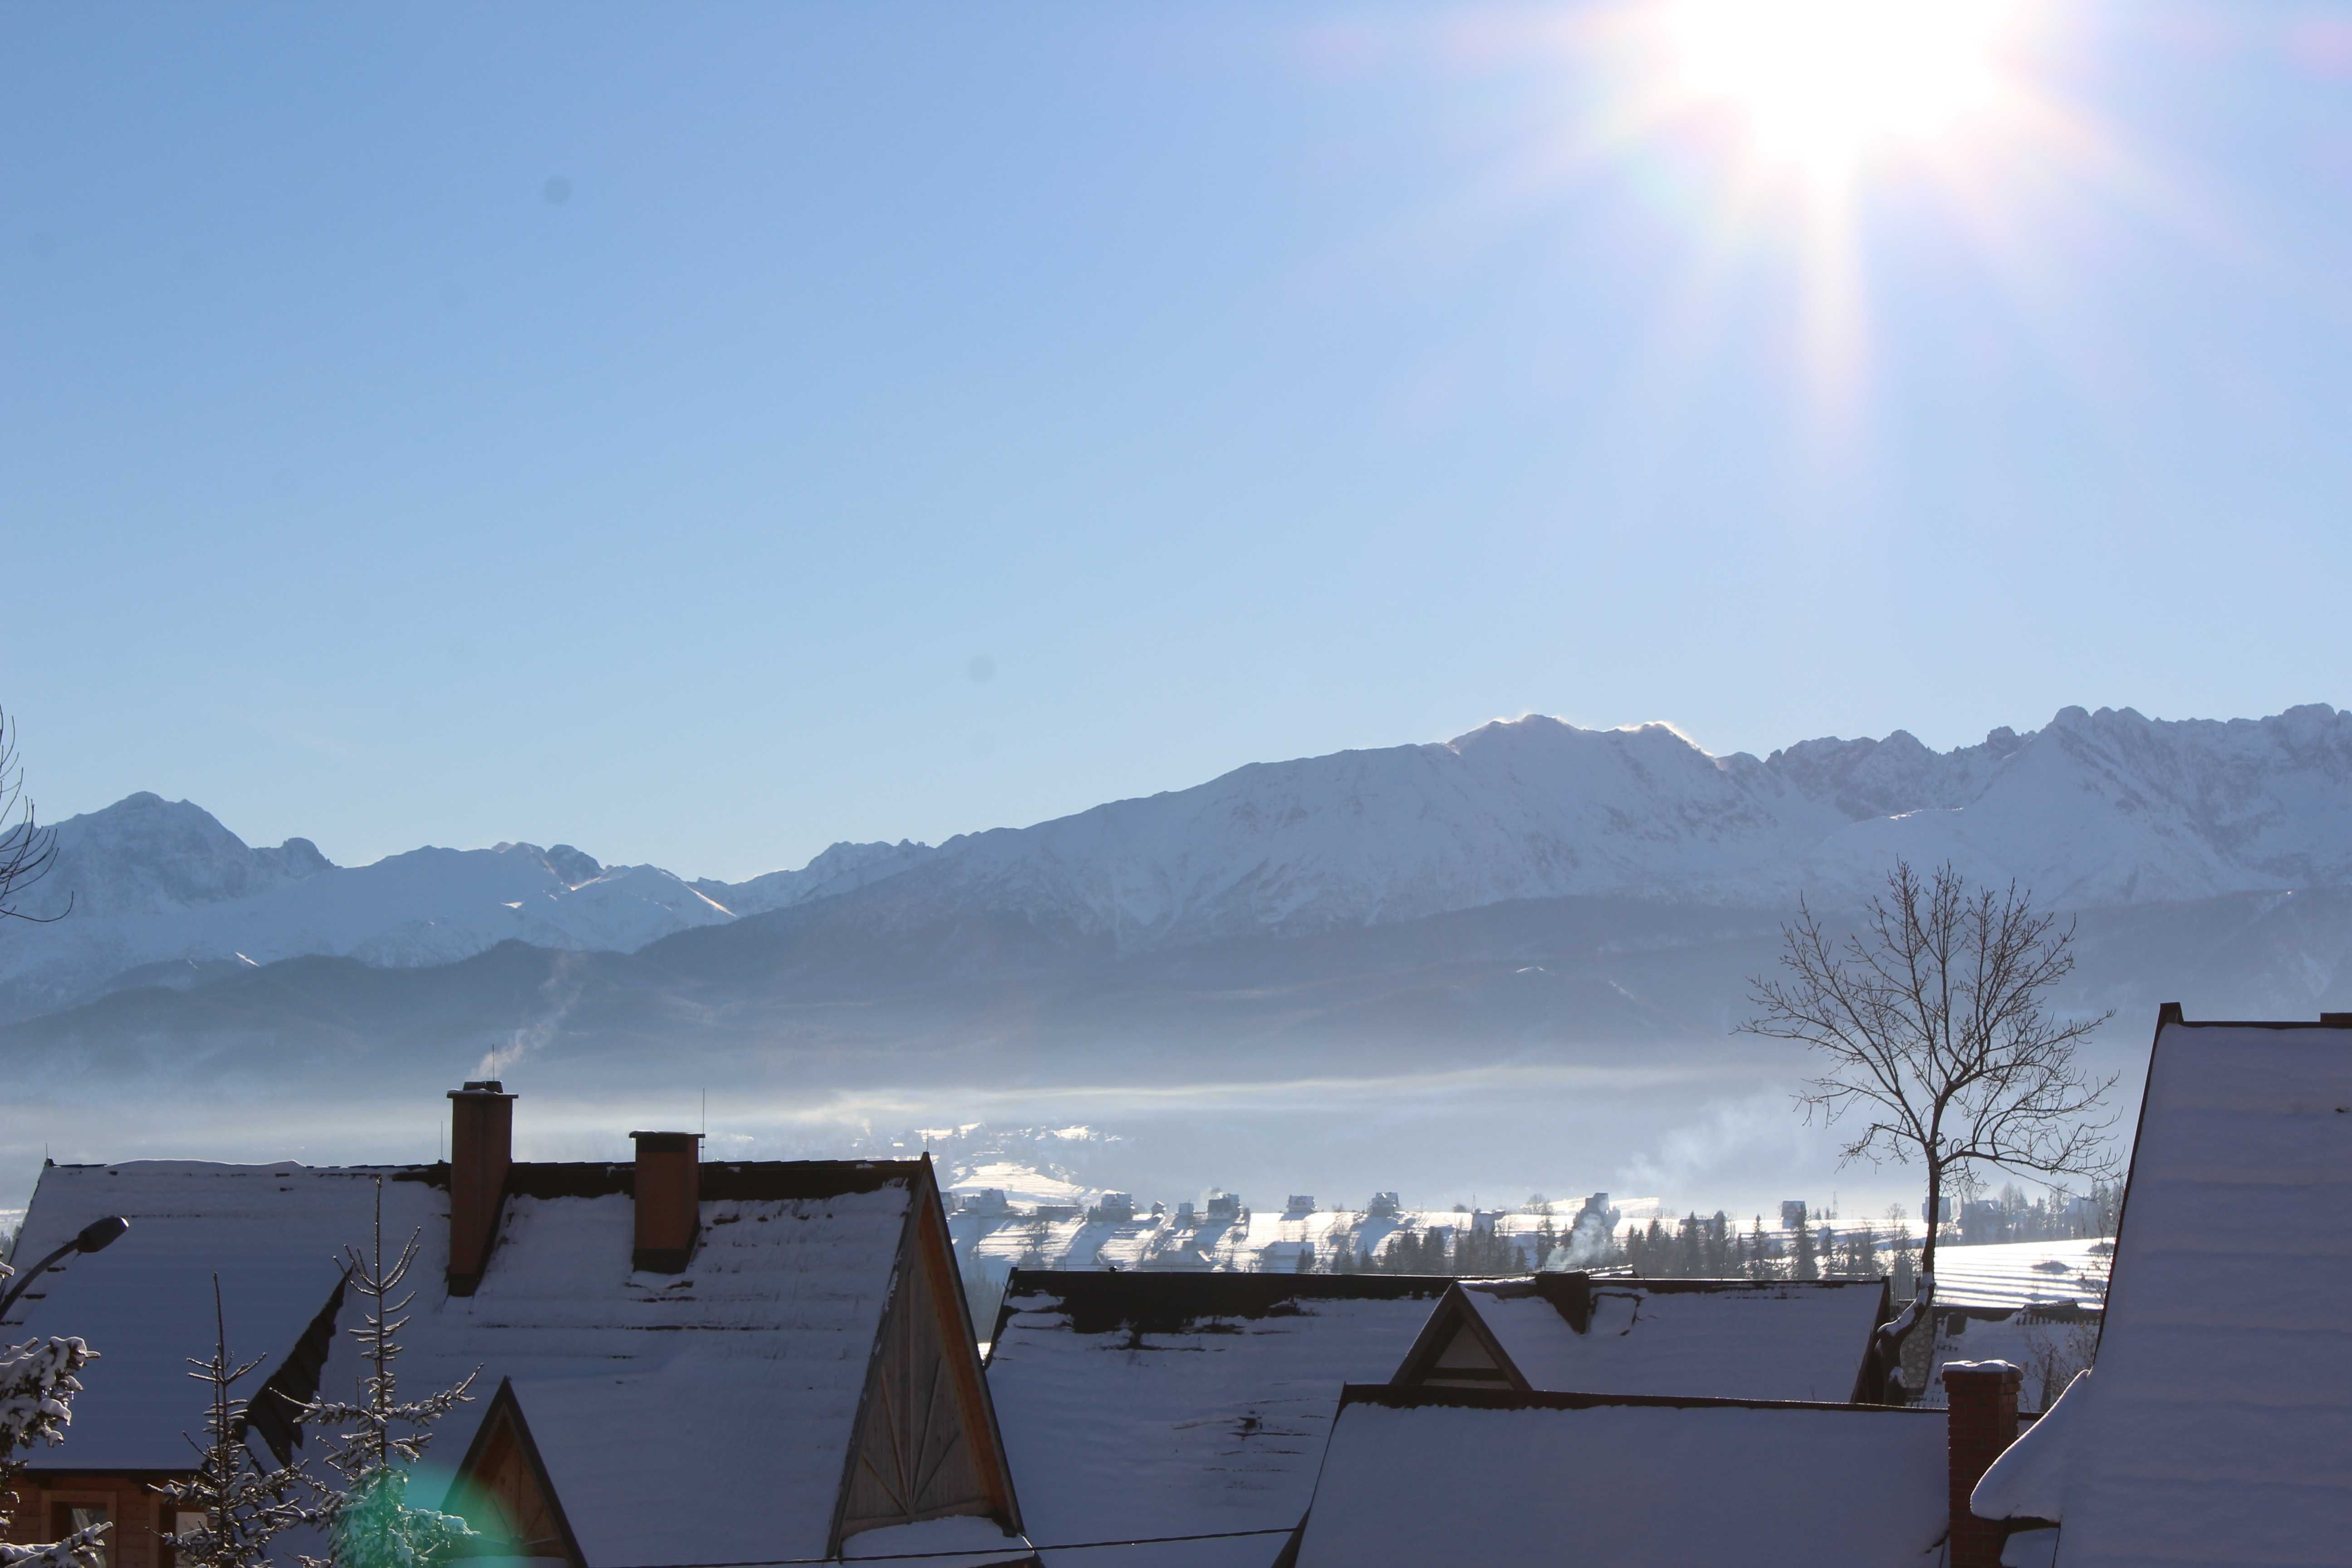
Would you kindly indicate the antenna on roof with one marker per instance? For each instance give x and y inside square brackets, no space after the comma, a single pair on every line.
[706,1113]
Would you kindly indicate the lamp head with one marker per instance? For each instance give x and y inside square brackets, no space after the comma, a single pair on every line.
[101,1234]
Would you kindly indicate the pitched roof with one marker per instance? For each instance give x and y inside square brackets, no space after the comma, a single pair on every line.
[795,1267]
[1152,1403]
[271,1233]
[1463,1476]
[1731,1339]
[2212,1429]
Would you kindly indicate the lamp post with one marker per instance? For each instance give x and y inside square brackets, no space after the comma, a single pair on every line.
[96,1236]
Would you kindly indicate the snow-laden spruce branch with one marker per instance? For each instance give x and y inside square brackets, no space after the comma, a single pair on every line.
[369,1523]
[37,1382]
[242,1507]
[1937,1038]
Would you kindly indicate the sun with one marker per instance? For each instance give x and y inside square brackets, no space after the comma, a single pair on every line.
[1823,88]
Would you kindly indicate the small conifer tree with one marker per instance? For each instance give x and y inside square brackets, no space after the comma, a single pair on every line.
[369,1523]
[242,1507]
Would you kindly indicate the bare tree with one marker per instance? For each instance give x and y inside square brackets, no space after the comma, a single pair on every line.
[1933,1020]
[27,850]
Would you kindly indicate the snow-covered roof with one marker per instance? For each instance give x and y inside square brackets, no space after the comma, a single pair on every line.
[1456,1476]
[2212,1429]
[1725,1339]
[271,1233]
[1154,1404]
[793,1269]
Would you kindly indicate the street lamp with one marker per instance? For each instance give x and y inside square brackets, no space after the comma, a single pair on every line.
[96,1236]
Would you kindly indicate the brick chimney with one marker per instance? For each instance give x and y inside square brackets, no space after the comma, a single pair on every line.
[481,1147]
[1982,1395]
[670,1200]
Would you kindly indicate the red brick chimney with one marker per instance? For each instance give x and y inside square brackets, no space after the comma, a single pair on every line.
[670,1200]
[1982,1395]
[481,1147]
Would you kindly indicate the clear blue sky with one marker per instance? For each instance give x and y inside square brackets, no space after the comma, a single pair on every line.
[643,427]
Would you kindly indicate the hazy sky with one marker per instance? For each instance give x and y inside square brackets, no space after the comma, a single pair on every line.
[702,433]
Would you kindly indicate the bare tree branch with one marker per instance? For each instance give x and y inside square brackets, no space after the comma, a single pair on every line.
[1937,1040]
[27,850]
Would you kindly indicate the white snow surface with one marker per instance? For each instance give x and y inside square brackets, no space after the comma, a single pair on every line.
[2092,809]
[1786,1342]
[2029,1481]
[1265,1240]
[1218,1426]
[2022,1273]
[2215,1427]
[789,1292]
[1632,1486]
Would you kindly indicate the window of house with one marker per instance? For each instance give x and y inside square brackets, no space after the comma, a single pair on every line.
[169,1520]
[68,1517]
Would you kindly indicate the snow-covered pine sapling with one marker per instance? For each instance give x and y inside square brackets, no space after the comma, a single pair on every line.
[37,1382]
[364,1509]
[241,1505]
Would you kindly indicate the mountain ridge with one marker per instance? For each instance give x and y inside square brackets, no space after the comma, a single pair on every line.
[2093,810]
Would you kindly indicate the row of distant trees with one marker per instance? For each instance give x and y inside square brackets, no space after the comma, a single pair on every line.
[1937,1042]
[1714,1246]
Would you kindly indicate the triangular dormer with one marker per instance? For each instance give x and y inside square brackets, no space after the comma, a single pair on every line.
[926,1443]
[1457,1350]
[503,1491]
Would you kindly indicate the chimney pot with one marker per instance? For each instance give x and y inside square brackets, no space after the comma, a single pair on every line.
[481,1147]
[1982,1422]
[669,1185]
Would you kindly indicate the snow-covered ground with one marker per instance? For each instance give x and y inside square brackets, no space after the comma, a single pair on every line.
[2019,1273]
[1269,1240]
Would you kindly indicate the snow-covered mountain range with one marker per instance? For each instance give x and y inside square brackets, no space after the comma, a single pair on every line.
[2093,810]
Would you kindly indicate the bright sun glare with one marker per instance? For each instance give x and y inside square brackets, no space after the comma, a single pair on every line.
[1826,86]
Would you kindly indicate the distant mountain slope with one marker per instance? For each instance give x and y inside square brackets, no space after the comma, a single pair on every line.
[800,1005]
[158,892]
[2094,810]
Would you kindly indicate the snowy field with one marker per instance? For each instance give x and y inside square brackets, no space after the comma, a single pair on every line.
[2019,1273]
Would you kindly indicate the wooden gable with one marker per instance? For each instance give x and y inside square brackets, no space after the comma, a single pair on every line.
[926,1443]
[922,1443]
[1455,1350]
[503,1491]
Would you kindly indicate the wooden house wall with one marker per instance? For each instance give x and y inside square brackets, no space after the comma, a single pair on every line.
[140,1517]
